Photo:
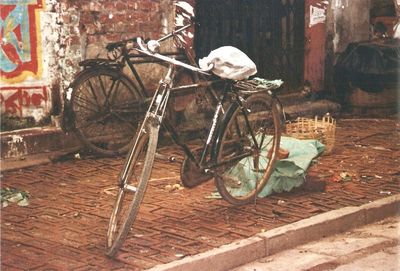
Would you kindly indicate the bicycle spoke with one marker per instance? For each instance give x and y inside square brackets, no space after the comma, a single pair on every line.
[123,119]
[93,111]
[103,89]
[112,95]
[89,123]
[81,101]
[264,146]
[93,91]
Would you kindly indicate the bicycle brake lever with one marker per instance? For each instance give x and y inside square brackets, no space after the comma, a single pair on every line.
[143,49]
[141,45]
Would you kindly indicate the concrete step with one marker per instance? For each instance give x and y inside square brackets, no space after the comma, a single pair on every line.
[296,105]
[39,140]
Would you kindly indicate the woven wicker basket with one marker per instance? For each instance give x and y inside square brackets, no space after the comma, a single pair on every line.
[322,129]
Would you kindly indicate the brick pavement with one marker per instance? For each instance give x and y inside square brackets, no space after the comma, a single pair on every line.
[64,226]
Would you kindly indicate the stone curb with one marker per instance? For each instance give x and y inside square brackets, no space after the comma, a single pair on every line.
[30,160]
[35,141]
[264,244]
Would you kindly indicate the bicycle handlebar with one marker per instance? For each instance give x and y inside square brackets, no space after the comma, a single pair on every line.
[152,47]
[145,50]
[114,45]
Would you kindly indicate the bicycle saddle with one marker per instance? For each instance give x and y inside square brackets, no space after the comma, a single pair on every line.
[229,63]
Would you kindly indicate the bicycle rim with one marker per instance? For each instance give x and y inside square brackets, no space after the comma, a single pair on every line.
[127,203]
[102,102]
[240,180]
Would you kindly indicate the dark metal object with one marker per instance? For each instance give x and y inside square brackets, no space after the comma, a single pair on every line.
[270,32]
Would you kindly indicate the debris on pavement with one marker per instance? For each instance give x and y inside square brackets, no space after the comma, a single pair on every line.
[385,192]
[346,177]
[343,176]
[281,202]
[13,195]
[173,187]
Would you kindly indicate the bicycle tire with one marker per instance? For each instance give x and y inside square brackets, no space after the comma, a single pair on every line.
[101,107]
[123,216]
[240,181]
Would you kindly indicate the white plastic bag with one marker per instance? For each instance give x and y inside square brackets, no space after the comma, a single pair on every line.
[230,63]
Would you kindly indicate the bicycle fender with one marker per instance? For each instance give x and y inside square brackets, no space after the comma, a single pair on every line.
[67,115]
[220,131]
[99,62]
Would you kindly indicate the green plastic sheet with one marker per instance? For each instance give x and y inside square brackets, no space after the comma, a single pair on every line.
[288,174]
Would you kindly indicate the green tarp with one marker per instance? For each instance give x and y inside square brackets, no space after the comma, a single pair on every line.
[288,174]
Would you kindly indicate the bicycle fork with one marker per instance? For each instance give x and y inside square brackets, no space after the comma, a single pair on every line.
[152,120]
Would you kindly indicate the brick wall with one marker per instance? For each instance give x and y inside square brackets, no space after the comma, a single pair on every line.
[88,25]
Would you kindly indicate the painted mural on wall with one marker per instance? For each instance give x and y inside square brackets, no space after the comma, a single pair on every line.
[22,92]
[20,33]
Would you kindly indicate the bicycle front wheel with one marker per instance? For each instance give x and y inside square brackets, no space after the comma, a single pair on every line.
[132,187]
[103,101]
[247,149]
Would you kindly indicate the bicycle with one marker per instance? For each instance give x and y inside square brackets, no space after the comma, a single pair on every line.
[104,106]
[243,139]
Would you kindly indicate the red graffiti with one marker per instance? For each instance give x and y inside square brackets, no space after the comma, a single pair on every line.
[22,97]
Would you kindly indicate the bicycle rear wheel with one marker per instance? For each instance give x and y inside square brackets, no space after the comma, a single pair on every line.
[253,130]
[102,104]
[133,183]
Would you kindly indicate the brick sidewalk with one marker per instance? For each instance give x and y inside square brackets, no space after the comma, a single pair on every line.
[64,227]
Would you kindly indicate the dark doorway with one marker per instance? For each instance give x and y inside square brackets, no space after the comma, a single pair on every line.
[270,32]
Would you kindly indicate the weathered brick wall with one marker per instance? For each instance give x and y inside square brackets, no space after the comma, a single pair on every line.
[88,25]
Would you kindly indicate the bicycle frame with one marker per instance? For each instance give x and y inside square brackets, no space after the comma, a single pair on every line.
[156,112]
